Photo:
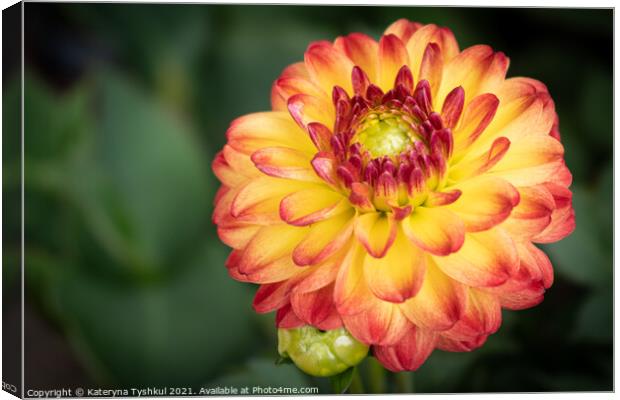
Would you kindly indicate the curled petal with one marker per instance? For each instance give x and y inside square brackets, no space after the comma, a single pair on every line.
[328,67]
[419,41]
[562,218]
[263,190]
[436,230]
[486,259]
[403,28]
[383,324]
[369,319]
[482,317]
[485,202]
[225,173]
[530,161]
[306,109]
[361,49]
[351,293]
[284,162]
[255,131]
[237,236]
[478,115]
[392,56]
[446,344]
[360,197]
[436,199]
[325,164]
[322,274]
[262,251]
[431,68]
[272,296]
[527,110]
[324,239]
[410,352]
[311,205]
[320,136]
[536,263]
[317,308]
[296,70]
[286,87]
[533,214]
[398,275]
[376,231]
[453,107]
[477,69]
[482,163]
[275,271]
[286,318]
[439,304]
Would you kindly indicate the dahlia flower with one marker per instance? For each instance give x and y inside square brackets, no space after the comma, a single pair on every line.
[396,189]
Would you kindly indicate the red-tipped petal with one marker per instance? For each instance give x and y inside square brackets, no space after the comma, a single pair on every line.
[435,230]
[409,353]
[311,205]
[486,259]
[419,41]
[361,49]
[392,56]
[328,67]
[439,304]
[284,162]
[383,324]
[403,28]
[262,251]
[477,116]
[482,163]
[306,109]
[317,308]
[324,164]
[320,136]
[254,131]
[286,318]
[431,68]
[324,239]
[482,317]
[376,232]
[453,107]
[436,199]
[485,202]
[399,274]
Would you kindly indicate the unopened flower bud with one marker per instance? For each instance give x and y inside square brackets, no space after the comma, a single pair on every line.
[321,353]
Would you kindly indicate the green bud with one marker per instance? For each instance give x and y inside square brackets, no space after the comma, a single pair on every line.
[321,353]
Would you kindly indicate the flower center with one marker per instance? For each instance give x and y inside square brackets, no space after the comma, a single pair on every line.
[384,135]
[387,151]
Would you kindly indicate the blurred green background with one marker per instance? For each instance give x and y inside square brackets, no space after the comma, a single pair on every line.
[125,107]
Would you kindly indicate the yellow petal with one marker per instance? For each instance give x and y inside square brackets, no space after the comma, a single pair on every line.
[486,259]
[376,231]
[399,274]
[440,302]
[436,230]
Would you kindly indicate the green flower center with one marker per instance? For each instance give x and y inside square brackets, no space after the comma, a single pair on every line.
[385,135]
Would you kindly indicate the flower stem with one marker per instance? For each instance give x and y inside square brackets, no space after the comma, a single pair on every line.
[404,382]
[357,387]
[376,376]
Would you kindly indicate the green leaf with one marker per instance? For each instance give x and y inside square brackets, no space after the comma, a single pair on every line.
[155,168]
[341,382]
[180,331]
